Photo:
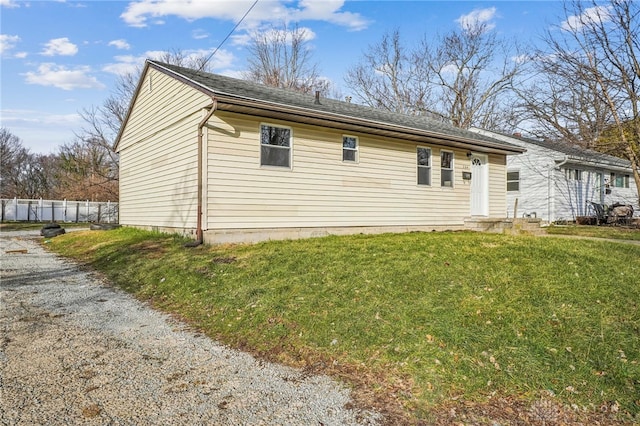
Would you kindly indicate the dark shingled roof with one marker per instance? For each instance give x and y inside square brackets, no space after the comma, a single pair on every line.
[232,87]
[576,152]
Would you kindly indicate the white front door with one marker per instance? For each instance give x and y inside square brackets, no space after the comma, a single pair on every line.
[479,185]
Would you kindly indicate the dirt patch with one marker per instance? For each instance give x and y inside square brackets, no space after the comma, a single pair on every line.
[151,249]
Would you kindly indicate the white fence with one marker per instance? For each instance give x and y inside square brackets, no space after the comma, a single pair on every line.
[58,211]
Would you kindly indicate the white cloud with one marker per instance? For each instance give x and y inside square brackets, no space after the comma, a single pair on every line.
[126,64]
[591,15]
[60,46]
[75,4]
[139,13]
[222,58]
[8,42]
[477,17]
[120,44]
[41,131]
[451,69]
[199,34]
[9,3]
[233,74]
[26,116]
[329,10]
[49,74]
[243,39]
[521,59]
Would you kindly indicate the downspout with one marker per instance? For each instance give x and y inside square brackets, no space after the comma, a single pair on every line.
[212,109]
[549,182]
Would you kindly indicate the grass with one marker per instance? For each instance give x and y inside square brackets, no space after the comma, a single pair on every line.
[611,232]
[416,320]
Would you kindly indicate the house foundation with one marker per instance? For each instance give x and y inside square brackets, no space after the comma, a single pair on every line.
[264,234]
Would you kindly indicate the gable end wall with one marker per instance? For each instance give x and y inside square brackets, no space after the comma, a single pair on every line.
[158,155]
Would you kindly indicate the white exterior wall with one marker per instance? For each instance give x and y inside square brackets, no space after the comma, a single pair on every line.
[158,155]
[497,185]
[320,190]
[623,195]
[536,166]
[572,195]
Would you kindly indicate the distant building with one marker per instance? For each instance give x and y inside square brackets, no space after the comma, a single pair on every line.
[555,181]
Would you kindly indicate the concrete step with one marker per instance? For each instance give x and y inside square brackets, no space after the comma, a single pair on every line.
[505,226]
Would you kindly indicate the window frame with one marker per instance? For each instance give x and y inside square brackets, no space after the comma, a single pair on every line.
[289,166]
[428,167]
[356,153]
[623,182]
[574,174]
[451,168]
[516,181]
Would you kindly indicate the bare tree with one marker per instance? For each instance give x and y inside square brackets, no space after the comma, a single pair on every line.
[462,78]
[472,70]
[391,78]
[586,86]
[23,174]
[561,104]
[40,177]
[87,170]
[281,57]
[13,158]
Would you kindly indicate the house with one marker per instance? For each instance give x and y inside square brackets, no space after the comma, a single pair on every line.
[556,181]
[227,160]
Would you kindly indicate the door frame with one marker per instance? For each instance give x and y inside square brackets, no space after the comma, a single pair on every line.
[483,208]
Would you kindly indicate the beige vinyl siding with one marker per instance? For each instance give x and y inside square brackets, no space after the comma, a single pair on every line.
[158,155]
[497,185]
[320,190]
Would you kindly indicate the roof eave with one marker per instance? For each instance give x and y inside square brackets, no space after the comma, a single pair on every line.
[242,105]
[600,164]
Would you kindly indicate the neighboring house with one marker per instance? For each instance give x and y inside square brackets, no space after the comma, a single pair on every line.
[556,181]
[230,160]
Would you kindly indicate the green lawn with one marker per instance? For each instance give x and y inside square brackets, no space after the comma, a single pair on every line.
[416,321]
[611,232]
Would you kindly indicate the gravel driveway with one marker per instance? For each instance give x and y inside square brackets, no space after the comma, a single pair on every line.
[76,351]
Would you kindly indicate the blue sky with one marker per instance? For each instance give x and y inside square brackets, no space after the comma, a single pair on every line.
[59,57]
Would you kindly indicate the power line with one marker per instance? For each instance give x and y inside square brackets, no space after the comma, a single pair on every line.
[228,35]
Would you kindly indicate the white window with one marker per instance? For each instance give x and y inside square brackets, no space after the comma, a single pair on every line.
[275,146]
[619,181]
[424,166]
[573,174]
[349,148]
[513,180]
[446,169]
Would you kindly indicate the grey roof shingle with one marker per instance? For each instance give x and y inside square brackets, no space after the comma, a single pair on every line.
[220,84]
[578,153]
